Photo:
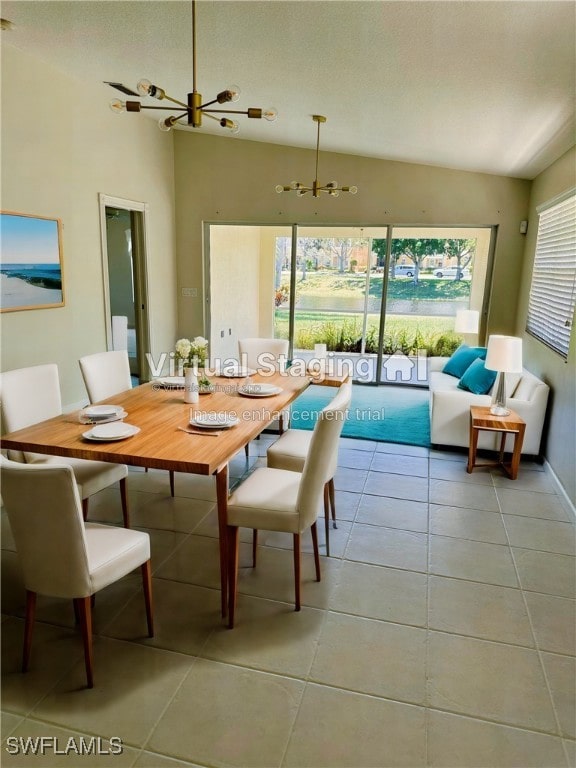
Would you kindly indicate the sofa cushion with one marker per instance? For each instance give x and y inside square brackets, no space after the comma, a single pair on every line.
[462,358]
[525,388]
[477,378]
[442,382]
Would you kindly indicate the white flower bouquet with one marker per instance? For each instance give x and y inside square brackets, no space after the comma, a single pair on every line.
[191,353]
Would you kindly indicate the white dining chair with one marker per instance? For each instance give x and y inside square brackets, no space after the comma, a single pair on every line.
[107,374]
[264,353]
[283,500]
[290,452]
[258,352]
[31,395]
[59,554]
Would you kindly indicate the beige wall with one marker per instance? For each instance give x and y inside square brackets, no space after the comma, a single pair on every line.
[224,180]
[538,358]
[61,146]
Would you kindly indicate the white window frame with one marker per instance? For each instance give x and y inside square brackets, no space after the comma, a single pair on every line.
[553,287]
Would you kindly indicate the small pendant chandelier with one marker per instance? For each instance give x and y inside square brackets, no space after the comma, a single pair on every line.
[191,112]
[331,187]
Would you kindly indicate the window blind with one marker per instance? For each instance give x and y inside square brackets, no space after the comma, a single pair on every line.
[553,289]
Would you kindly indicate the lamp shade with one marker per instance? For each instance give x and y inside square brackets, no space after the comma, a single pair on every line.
[467,321]
[504,354]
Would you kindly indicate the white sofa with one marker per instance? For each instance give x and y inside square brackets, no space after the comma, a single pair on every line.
[450,408]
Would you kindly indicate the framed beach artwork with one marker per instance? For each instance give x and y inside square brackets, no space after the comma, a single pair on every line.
[31,269]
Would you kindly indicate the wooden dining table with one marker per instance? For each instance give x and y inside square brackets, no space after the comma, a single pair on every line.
[161,414]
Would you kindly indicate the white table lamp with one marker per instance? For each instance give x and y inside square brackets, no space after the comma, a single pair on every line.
[320,358]
[505,356]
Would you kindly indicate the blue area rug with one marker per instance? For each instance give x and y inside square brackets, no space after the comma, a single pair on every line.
[388,414]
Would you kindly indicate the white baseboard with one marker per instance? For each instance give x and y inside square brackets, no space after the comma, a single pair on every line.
[561,490]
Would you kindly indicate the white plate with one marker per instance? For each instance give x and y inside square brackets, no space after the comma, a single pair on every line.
[102,411]
[236,372]
[259,390]
[214,420]
[113,431]
[174,382]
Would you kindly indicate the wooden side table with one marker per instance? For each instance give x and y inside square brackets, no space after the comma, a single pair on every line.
[482,419]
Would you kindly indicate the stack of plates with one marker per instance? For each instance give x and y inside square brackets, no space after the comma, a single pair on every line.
[171,382]
[236,372]
[117,430]
[214,420]
[102,412]
[259,390]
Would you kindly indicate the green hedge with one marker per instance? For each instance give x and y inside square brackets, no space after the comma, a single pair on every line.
[342,333]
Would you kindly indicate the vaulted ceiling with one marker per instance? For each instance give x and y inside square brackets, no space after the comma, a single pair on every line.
[482,86]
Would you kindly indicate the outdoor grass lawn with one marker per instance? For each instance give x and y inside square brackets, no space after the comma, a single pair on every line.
[408,323]
[342,331]
[326,283]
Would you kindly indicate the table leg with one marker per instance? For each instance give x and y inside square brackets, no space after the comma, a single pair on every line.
[518,440]
[222,504]
[472,449]
[502,447]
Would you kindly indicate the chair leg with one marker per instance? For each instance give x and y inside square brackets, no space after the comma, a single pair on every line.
[254,546]
[28,628]
[171,483]
[247,450]
[124,498]
[297,570]
[332,501]
[233,548]
[147,585]
[314,530]
[85,509]
[85,610]
[327,518]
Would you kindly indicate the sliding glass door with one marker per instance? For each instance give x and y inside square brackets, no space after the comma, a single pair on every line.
[432,272]
[381,298]
[336,293]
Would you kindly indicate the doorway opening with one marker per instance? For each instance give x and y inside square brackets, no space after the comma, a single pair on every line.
[125,281]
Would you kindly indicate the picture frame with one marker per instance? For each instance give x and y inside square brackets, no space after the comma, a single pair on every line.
[31,262]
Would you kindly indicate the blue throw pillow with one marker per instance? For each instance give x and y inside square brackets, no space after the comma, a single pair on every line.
[462,358]
[477,378]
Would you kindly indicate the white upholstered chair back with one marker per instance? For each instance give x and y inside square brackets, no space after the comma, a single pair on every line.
[28,396]
[322,457]
[106,374]
[45,516]
[259,352]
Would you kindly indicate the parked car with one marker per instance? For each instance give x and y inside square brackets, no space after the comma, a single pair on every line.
[450,273]
[404,270]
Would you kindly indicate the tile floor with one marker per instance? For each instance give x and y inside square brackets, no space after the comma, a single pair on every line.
[442,633]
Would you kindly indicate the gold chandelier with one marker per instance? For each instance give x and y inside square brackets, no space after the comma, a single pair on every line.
[331,187]
[192,111]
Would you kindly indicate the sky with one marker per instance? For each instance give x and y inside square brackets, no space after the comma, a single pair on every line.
[27,240]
